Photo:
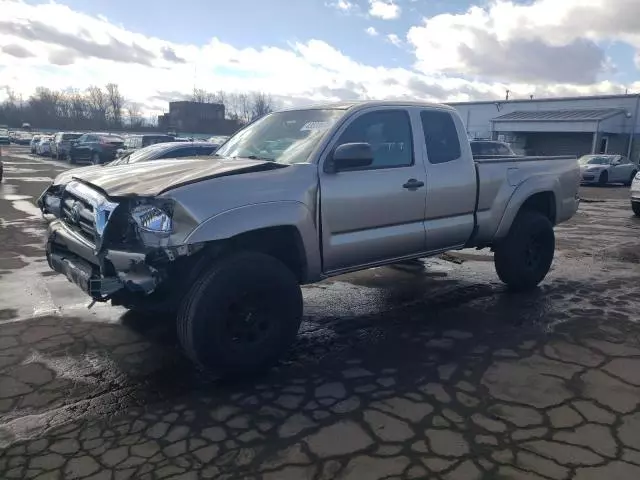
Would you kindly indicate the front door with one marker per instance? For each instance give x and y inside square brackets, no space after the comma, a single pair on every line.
[622,170]
[81,150]
[374,213]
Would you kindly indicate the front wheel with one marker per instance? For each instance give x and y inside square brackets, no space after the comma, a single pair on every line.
[635,206]
[523,258]
[241,315]
[604,178]
[95,159]
[72,159]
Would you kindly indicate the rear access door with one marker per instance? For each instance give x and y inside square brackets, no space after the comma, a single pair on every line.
[451,180]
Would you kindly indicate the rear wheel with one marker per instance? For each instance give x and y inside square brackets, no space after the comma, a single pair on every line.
[604,178]
[241,315]
[524,257]
[635,206]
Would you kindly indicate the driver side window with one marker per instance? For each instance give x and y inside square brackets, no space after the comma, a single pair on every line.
[388,132]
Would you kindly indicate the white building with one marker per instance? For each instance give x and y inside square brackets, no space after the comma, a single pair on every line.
[559,126]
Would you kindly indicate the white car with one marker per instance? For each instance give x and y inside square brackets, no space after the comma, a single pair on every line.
[635,195]
[44,146]
[603,169]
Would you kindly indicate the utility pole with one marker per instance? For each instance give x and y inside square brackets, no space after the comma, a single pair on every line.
[508,92]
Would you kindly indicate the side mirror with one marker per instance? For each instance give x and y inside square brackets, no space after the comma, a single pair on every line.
[350,156]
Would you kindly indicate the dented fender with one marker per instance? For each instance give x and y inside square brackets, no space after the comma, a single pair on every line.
[230,223]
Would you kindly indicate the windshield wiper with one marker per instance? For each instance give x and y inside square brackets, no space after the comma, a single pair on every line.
[255,157]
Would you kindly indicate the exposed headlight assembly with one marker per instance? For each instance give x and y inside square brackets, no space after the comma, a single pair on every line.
[152,219]
[154,223]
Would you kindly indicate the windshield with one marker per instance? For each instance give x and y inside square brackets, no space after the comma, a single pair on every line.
[595,160]
[71,136]
[282,137]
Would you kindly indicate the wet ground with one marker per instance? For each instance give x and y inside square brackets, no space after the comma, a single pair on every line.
[398,373]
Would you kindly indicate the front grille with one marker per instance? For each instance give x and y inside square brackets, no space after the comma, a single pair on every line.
[85,211]
[79,214]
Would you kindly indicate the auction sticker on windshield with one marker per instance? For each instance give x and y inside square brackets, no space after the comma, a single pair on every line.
[315,126]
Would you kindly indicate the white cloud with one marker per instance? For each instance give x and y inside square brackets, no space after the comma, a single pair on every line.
[394,39]
[384,9]
[54,46]
[343,5]
[542,41]
[371,31]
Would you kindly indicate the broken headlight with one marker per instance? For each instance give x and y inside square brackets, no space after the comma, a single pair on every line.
[152,219]
[154,224]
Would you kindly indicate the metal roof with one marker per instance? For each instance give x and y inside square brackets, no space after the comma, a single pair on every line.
[502,101]
[358,104]
[573,115]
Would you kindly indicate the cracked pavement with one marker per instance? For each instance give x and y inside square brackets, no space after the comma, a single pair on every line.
[398,373]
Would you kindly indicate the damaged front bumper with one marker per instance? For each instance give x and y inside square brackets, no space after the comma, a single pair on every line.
[108,272]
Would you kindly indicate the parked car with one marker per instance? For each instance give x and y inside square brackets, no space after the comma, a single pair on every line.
[159,151]
[635,195]
[485,149]
[44,146]
[4,137]
[218,140]
[135,142]
[298,196]
[61,144]
[96,148]
[1,168]
[604,169]
[33,145]
[23,138]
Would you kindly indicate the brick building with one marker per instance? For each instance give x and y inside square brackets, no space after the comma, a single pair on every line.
[197,117]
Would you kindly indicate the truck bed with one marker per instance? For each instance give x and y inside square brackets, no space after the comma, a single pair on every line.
[498,181]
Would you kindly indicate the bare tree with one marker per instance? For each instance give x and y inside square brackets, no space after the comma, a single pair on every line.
[135,115]
[261,104]
[98,106]
[79,109]
[116,103]
[43,106]
[245,109]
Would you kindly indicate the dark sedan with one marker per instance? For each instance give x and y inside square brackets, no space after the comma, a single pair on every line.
[167,150]
[96,148]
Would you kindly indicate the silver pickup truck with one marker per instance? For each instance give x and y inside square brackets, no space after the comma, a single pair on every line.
[298,196]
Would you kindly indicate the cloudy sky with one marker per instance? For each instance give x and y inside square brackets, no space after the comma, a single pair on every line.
[317,50]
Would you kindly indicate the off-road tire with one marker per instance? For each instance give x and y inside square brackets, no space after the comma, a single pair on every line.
[604,179]
[240,282]
[523,258]
[635,206]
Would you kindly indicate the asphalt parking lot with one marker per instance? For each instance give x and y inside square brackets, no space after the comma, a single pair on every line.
[398,372]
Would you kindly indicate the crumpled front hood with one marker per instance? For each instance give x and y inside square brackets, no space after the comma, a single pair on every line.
[158,176]
[65,177]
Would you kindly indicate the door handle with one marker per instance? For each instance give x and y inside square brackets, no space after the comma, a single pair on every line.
[413,184]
